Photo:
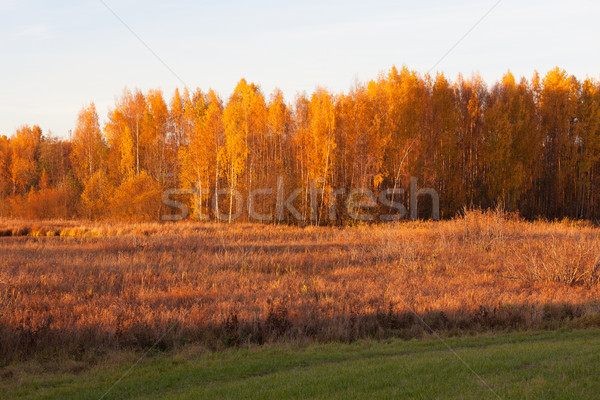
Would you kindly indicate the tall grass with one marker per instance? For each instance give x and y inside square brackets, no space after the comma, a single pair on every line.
[89,287]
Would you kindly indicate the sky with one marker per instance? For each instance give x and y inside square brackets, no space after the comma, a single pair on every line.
[58,56]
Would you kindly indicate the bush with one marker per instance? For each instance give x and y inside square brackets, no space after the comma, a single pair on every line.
[138,198]
[95,197]
[568,260]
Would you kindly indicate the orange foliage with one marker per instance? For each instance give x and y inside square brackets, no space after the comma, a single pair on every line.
[138,198]
[532,146]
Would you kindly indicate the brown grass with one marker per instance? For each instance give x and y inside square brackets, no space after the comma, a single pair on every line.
[81,289]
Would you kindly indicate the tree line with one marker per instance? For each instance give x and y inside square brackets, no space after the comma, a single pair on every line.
[530,145]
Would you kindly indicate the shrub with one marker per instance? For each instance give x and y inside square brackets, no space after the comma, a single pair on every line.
[569,260]
[138,198]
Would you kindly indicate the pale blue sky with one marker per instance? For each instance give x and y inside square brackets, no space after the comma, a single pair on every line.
[57,56]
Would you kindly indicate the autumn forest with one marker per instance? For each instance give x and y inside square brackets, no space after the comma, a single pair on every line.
[531,146]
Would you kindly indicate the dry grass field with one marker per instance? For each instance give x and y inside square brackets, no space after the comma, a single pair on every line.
[86,288]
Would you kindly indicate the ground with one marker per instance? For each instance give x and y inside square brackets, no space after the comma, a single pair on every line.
[79,299]
[535,365]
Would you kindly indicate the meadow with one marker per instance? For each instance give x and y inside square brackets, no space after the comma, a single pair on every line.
[81,290]
[538,365]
